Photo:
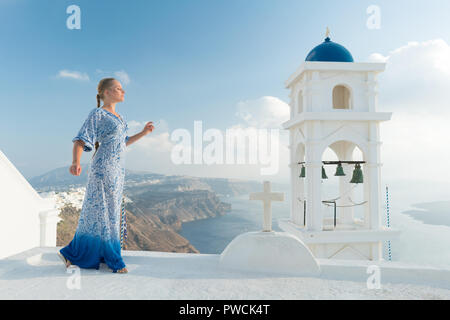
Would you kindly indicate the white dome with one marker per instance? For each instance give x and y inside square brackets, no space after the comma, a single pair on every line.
[273,252]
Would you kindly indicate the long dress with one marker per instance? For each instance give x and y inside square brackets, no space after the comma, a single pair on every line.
[97,237]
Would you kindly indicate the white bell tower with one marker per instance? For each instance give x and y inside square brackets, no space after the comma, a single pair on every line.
[334,104]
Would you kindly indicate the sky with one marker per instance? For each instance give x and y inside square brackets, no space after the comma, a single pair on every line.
[220,62]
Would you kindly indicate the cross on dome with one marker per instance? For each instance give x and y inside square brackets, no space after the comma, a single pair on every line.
[267,197]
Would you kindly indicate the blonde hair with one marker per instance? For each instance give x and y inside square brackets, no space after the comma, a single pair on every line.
[105,83]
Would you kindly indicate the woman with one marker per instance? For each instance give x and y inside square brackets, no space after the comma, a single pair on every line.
[97,237]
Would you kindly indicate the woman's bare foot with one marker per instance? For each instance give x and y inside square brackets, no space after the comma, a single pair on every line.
[66,261]
[123,270]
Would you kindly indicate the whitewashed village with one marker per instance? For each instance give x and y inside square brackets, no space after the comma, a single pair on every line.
[333,104]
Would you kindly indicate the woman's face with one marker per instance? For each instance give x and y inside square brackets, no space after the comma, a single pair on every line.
[116,92]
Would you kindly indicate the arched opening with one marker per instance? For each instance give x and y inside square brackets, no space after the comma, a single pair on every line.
[342,98]
[343,202]
[329,188]
[300,102]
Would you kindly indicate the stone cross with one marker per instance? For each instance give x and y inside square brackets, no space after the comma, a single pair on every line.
[267,197]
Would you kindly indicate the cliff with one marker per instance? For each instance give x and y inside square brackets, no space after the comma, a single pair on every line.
[153,219]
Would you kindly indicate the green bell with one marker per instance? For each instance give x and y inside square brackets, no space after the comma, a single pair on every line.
[302,173]
[339,171]
[357,174]
[324,175]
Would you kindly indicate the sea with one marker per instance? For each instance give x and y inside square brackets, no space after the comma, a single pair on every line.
[212,235]
[424,238]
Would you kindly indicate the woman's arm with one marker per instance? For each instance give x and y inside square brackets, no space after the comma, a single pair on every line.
[75,168]
[135,138]
[147,129]
[77,151]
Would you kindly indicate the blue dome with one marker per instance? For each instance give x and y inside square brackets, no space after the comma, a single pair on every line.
[330,51]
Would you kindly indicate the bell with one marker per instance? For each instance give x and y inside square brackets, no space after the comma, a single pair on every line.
[357,174]
[302,173]
[339,171]
[324,175]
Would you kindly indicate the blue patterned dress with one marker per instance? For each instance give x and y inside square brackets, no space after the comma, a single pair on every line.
[97,237]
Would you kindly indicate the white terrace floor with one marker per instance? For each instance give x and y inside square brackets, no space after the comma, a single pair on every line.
[39,274]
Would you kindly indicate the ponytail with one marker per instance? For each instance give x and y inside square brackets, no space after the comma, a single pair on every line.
[102,85]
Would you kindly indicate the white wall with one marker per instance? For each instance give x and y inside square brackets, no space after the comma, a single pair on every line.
[21,212]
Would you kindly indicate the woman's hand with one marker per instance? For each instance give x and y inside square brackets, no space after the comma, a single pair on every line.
[75,169]
[148,127]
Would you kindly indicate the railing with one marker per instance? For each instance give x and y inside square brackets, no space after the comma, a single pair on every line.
[323,201]
[333,202]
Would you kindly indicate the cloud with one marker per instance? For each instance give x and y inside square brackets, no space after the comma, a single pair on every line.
[268,113]
[416,78]
[157,140]
[73,75]
[265,112]
[415,88]
[377,57]
[122,76]
[415,147]
[153,152]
